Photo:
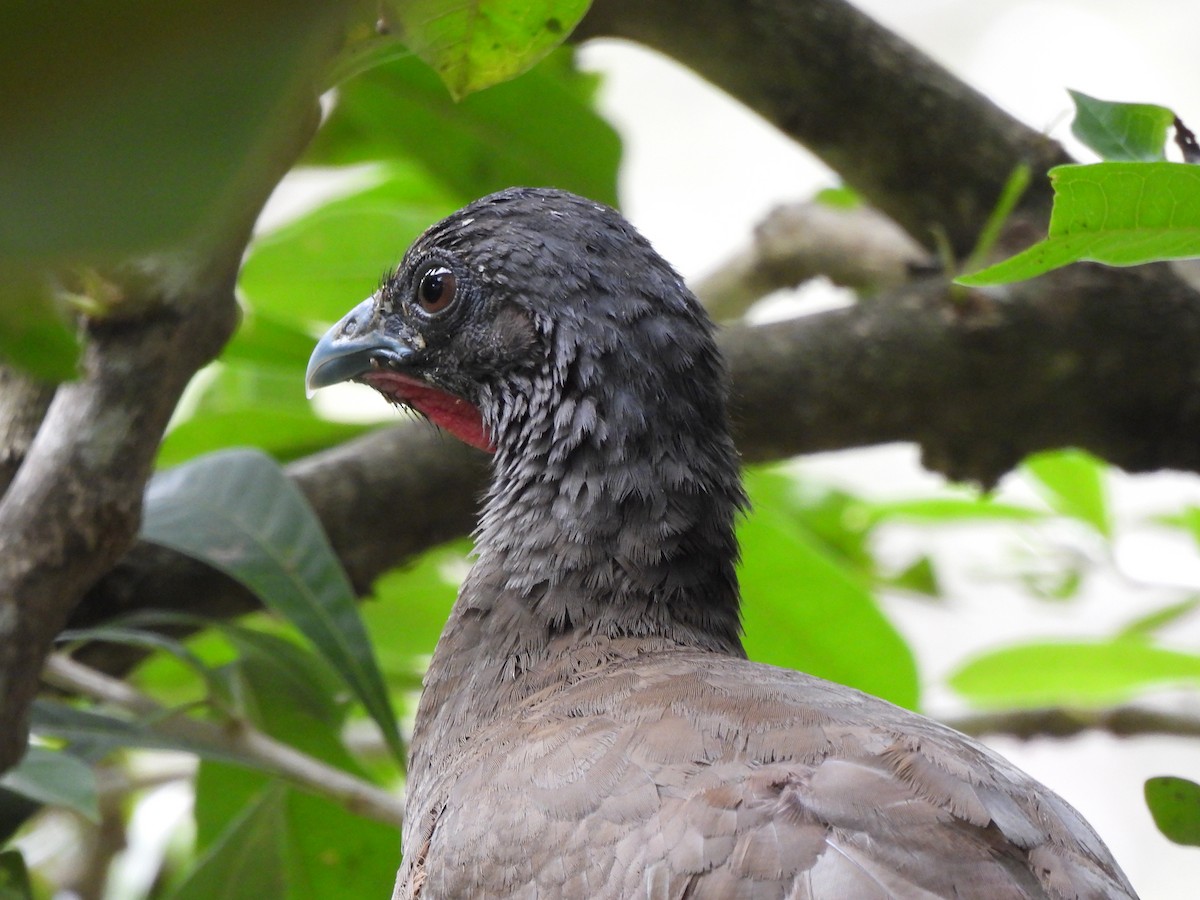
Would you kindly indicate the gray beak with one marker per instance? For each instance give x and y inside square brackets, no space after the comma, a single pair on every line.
[354,346]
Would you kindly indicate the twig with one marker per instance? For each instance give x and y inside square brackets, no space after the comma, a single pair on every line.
[1121,721]
[858,248]
[237,737]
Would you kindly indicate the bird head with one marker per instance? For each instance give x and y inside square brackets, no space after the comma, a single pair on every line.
[529,304]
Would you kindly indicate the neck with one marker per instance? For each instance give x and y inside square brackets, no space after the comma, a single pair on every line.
[607,530]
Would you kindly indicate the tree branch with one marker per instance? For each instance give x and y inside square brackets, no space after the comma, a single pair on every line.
[1086,357]
[74,506]
[23,404]
[238,738]
[1121,721]
[857,248]
[920,145]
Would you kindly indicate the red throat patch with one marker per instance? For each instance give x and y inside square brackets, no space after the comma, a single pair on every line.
[454,414]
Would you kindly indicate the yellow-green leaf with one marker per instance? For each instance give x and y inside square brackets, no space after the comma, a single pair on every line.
[1118,213]
[478,43]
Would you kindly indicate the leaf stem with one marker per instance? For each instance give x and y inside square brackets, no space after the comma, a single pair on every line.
[237,736]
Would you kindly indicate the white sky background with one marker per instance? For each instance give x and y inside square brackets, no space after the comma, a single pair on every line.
[700,171]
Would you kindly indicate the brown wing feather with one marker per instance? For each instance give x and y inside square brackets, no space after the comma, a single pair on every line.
[689,776]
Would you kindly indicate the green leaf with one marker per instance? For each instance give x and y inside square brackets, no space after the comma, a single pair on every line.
[1125,132]
[1158,619]
[162,108]
[239,513]
[803,610]
[327,851]
[919,577]
[55,778]
[840,197]
[540,129]
[1089,674]
[420,596]
[311,683]
[284,434]
[127,632]
[1014,188]
[247,860]
[1175,804]
[302,680]
[949,510]
[1072,482]
[106,733]
[1120,214]
[323,263]
[473,44]
[264,339]
[34,336]
[14,877]
[321,850]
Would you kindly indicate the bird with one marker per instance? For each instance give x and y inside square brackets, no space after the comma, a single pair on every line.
[590,726]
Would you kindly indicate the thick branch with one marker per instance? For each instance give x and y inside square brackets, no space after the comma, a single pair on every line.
[1087,357]
[926,149]
[74,505]
[73,508]
[1101,359]
[23,405]
[856,248]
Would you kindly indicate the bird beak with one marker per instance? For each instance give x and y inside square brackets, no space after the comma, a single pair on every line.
[354,346]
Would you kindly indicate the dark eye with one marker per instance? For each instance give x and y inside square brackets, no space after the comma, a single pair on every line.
[436,289]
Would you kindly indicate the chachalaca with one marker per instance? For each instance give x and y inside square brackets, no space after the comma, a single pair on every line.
[590,726]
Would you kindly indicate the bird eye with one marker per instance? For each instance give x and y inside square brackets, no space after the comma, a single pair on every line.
[436,289]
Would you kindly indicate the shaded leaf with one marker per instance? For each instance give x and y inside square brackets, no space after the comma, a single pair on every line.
[327,851]
[301,680]
[239,513]
[473,44]
[1175,804]
[57,778]
[1072,673]
[34,336]
[246,862]
[1129,132]
[1121,214]
[149,106]
[107,733]
[127,633]
[14,877]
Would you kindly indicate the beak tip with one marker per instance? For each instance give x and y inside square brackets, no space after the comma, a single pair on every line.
[324,353]
[351,348]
